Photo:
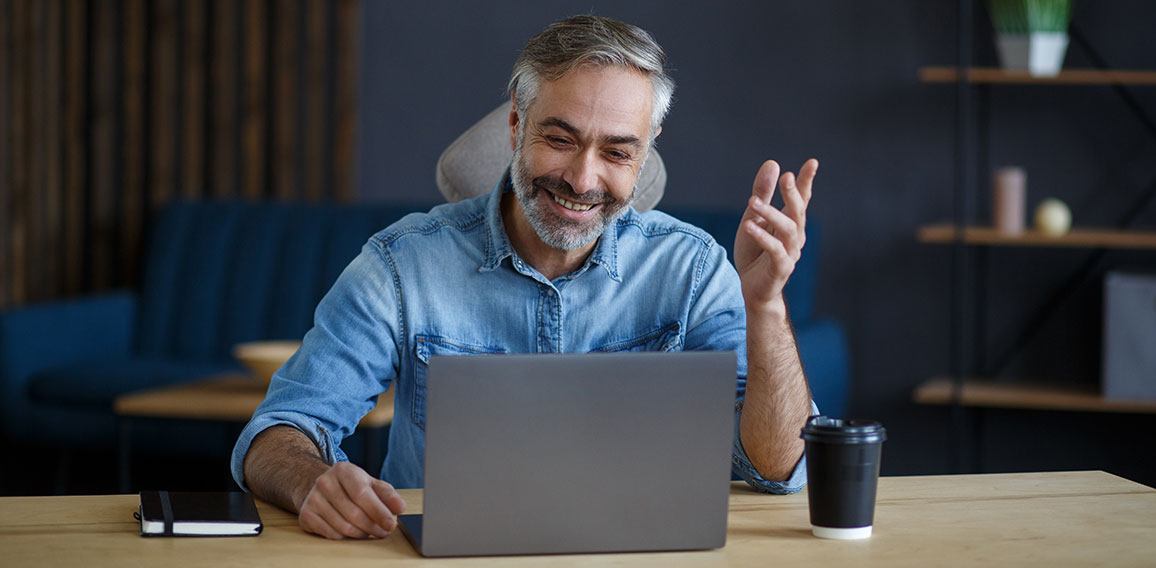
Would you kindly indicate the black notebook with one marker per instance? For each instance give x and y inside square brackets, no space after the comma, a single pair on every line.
[181,513]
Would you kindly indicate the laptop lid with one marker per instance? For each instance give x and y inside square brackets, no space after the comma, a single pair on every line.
[570,453]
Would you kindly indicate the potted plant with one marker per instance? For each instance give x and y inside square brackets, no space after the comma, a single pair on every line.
[1031,35]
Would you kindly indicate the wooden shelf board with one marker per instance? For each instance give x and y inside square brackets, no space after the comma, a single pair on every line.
[995,394]
[1066,76]
[1080,237]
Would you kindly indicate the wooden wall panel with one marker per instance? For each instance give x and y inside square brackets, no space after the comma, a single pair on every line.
[134,118]
[18,184]
[75,145]
[286,60]
[256,99]
[102,144]
[49,280]
[6,87]
[315,90]
[348,46]
[193,52]
[225,153]
[109,109]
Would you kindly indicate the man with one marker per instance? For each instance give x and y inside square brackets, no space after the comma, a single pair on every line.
[554,259]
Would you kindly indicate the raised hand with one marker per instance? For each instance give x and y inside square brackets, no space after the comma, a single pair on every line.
[769,240]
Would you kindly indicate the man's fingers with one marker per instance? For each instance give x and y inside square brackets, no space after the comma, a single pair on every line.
[772,246]
[793,203]
[325,518]
[778,226]
[806,178]
[764,187]
[362,506]
[346,502]
[312,522]
[389,496]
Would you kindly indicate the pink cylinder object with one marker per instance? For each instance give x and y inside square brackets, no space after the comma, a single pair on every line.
[1009,195]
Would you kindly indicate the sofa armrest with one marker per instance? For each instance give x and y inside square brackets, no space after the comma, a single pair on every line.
[39,337]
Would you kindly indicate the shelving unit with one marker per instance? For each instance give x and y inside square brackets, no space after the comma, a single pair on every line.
[968,242]
[992,394]
[991,75]
[947,233]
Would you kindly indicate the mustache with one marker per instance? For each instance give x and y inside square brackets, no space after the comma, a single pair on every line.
[561,188]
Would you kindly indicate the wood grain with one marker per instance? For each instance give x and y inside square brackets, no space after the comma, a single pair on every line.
[75,143]
[1066,76]
[256,126]
[193,69]
[1006,394]
[1078,237]
[1039,519]
[225,144]
[229,397]
[285,65]
[134,167]
[348,45]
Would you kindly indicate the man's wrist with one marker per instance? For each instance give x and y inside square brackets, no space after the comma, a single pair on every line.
[772,311]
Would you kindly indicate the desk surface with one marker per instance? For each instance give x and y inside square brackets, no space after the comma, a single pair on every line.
[226,397]
[1070,518]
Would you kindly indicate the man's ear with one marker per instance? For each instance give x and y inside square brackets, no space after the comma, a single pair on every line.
[656,133]
[513,122]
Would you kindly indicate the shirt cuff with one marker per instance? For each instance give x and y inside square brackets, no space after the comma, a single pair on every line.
[314,431]
[742,466]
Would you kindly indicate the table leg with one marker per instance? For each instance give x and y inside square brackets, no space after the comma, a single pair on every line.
[124,449]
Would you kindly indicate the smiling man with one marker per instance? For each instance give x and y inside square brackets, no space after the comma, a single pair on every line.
[553,260]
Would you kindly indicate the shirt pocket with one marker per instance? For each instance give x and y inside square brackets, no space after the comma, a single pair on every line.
[426,346]
[662,338]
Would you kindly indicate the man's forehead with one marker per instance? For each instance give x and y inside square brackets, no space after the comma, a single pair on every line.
[608,101]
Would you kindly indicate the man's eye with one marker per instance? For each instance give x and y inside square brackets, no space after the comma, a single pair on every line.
[618,155]
[558,141]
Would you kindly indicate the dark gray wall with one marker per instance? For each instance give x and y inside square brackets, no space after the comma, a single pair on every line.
[835,79]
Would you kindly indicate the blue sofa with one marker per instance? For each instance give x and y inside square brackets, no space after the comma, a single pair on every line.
[220,273]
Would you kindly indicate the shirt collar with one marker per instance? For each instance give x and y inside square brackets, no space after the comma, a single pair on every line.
[498,247]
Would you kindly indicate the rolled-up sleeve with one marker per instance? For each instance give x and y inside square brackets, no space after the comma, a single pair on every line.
[741,465]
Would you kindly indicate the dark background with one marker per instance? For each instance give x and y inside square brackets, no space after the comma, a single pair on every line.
[838,80]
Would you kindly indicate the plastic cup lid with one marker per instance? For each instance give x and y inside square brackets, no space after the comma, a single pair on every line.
[837,431]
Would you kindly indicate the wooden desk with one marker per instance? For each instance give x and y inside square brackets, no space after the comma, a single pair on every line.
[1077,518]
[226,398]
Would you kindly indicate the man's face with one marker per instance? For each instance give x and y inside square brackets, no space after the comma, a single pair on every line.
[578,153]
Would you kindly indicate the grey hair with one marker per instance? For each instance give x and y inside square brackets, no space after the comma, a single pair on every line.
[591,40]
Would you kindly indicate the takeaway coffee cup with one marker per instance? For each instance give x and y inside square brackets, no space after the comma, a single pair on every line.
[842,473]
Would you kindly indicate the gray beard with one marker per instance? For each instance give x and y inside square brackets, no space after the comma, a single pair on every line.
[555,231]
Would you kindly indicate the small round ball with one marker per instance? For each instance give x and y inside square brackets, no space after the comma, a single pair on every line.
[1053,217]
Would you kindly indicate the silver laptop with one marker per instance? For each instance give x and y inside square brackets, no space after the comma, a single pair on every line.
[572,453]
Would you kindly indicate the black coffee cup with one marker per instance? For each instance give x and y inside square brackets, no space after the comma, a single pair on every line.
[842,474]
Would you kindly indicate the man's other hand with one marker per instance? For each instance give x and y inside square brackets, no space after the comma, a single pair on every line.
[769,240]
[347,502]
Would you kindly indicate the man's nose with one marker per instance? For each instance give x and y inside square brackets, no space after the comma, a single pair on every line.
[584,172]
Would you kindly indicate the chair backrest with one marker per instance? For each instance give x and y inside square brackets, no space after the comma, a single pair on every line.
[473,163]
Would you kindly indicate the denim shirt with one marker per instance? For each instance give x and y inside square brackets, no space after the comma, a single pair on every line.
[449,282]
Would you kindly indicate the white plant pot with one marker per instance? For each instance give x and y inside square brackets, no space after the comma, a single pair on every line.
[1038,53]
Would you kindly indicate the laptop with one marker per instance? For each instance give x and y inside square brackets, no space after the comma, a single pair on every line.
[576,453]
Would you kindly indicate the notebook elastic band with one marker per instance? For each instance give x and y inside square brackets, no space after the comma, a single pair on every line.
[167,511]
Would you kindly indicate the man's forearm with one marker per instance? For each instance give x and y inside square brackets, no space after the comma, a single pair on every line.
[778,401]
[281,466]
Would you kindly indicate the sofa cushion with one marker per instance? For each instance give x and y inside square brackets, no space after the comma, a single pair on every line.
[97,383]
